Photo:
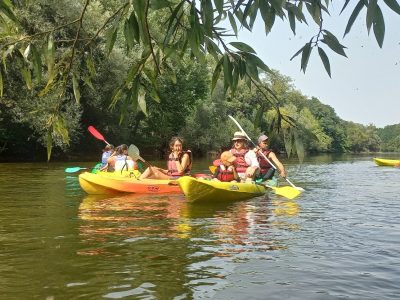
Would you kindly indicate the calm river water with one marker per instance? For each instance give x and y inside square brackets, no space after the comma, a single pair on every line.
[339,240]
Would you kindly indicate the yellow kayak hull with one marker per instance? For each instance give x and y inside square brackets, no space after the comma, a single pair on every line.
[112,183]
[387,162]
[198,190]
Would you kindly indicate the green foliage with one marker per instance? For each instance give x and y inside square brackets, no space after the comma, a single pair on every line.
[141,68]
[390,136]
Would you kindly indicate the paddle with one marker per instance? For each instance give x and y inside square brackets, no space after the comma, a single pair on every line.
[97,134]
[284,190]
[133,152]
[74,169]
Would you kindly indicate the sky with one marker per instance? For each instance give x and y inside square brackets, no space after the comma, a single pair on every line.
[364,88]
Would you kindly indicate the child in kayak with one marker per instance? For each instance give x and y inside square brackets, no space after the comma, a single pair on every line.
[226,171]
[179,163]
[107,152]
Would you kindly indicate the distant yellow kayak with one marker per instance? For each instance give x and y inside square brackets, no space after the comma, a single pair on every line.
[197,190]
[387,162]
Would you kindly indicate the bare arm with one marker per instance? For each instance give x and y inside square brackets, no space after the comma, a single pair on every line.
[278,164]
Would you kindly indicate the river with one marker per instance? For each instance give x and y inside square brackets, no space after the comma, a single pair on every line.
[339,240]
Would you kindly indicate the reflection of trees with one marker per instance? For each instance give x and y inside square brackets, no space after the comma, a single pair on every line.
[164,247]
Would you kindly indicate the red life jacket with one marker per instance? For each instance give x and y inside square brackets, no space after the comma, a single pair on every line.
[172,165]
[264,164]
[240,163]
[224,174]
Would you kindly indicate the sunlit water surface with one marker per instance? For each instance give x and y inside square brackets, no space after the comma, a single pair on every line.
[339,240]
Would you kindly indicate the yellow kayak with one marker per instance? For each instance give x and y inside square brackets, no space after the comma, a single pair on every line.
[387,162]
[197,190]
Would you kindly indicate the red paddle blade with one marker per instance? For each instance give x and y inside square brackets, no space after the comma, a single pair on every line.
[95,133]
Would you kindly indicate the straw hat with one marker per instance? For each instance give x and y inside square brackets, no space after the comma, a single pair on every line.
[239,136]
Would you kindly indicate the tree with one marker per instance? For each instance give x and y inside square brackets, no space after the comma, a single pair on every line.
[60,53]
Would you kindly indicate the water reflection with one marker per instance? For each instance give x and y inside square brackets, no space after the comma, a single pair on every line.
[170,216]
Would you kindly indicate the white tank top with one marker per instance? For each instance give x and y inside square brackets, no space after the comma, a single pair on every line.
[120,165]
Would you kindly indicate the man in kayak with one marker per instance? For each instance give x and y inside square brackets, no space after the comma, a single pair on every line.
[267,171]
[246,162]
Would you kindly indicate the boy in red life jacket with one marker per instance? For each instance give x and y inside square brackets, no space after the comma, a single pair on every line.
[266,169]
[226,171]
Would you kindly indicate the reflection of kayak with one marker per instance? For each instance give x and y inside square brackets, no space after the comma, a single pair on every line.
[111,183]
[387,162]
[197,190]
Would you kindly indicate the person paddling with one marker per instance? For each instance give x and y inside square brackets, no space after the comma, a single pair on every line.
[120,161]
[179,163]
[266,169]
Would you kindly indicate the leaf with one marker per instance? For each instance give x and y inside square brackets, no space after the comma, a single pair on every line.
[353,16]
[208,16]
[216,73]
[325,60]
[297,53]
[26,74]
[371,12]
[142,101]
[333,43]
[292,21]
[344,6]
[268,15]
[75,87]
[111,37]
[219,5]
[258,118]
[129,36]
[37,63]
[1,82]
[305,56]
[50,59]
[258,62]
[27,51]
[299,146]
[49,144]
[393,5]
[90,64]
[242,47]
[228,79]
[5,8]
[154,95]
[233,23]
[116,97]
[379,26]
[159,4]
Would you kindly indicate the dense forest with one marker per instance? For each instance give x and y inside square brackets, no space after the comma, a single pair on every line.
[50,91]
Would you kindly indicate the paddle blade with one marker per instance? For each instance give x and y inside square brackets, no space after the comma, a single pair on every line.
[133,152]
[286,191]
[73,169]
[95,133]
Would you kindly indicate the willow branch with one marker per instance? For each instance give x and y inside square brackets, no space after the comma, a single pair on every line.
[105,24]
[148,32]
